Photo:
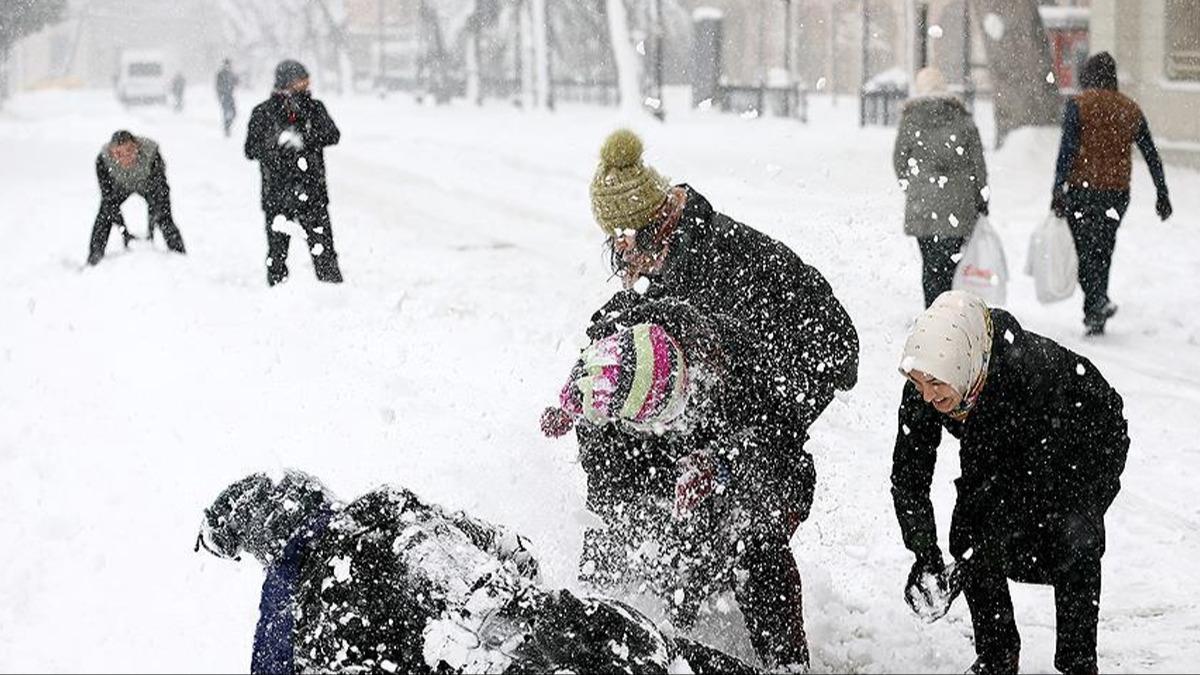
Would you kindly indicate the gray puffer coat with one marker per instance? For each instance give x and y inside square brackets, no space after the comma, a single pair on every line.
[939,157]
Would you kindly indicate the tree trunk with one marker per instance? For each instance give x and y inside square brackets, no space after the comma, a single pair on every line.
[629,67]
[1019,57]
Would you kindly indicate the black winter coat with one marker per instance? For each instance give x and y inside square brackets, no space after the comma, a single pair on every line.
[292,180]
[734,414]
[720,266]
[1046,439]
[393,584]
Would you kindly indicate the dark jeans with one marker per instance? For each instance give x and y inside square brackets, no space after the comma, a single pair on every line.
[319,235]
[1063,552]
[158,202]
[938,264]
[1094,229]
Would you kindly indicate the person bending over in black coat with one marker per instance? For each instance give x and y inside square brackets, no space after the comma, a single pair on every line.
[132,165]
[1043,445]
[287,136]
[391,584]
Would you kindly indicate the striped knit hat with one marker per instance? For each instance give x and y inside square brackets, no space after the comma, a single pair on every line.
[625,192]
[637,376]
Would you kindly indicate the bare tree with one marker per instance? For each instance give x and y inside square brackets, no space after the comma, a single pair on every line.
[19,18]
[1018,52]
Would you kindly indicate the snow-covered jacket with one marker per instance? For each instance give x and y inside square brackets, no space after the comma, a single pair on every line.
[292,179]
[938,157]
[1046,438]
[722,267]
[390,584]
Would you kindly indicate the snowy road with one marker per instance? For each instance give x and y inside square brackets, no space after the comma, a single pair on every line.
[131,393]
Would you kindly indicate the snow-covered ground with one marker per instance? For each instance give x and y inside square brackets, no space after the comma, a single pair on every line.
[131,393]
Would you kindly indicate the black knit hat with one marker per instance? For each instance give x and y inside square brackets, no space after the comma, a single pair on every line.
[288,72]
[1099,72]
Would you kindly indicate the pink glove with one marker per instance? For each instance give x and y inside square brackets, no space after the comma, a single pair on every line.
[697,480]
[556,422]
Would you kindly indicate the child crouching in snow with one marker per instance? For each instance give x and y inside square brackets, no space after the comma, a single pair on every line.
[388,583]
[675,420]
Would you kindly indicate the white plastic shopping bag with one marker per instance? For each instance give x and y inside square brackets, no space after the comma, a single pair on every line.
[983,270]
[1052,261]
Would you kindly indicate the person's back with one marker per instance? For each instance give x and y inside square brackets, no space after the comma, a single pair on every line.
[1109,122]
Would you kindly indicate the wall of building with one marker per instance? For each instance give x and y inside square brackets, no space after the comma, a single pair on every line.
[1135,33]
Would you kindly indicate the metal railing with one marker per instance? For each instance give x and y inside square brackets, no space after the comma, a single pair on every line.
[763,100]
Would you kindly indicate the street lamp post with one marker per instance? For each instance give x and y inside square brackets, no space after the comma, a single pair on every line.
[866,63]
[787,56]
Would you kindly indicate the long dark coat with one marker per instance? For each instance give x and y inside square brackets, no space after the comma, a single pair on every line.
[1047,439]
[292,180]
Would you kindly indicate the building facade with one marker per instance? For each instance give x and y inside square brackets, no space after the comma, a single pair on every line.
[1157,47]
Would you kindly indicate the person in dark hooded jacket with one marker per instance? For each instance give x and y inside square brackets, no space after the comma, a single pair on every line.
[389,583]
[1092,177]
[1043,441]
[676,423]
[288,135]
[132,165]
[938,159]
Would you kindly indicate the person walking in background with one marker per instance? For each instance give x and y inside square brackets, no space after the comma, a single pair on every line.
[287,136]
[1092,178]
[178,86]
[227,81]
[938,159]
[1042,445]
[129,165]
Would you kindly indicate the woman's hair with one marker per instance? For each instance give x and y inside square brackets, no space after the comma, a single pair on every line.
[1099,72]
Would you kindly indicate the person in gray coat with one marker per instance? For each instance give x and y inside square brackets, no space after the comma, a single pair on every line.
[938,159]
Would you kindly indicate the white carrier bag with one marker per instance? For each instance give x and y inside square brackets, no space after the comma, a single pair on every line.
[983,270]
[1052,261]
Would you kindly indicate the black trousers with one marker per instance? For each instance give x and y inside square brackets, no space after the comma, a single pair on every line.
[1063,552]
[158,202]
[1094,216]
[938,264]
[319,235]
[772,599]
[228,113]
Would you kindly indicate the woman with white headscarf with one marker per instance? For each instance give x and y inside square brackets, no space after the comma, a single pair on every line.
[1043,441]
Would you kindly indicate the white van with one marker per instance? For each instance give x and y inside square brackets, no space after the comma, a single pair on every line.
[142,77]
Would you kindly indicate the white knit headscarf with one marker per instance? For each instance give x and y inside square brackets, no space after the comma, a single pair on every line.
[952,341]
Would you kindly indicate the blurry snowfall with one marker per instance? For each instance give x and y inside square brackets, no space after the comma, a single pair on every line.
[131,393]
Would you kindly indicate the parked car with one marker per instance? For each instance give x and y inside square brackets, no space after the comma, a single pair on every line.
[142,78]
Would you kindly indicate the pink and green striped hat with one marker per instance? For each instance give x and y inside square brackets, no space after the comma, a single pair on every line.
[638,376]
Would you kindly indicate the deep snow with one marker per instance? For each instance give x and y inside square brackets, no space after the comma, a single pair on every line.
[131,393]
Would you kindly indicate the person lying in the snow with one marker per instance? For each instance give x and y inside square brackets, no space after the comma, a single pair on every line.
[1043,444]
[129,165]
[678,433]
[388,583]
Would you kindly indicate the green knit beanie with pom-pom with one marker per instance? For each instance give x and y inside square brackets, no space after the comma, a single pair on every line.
[625,192]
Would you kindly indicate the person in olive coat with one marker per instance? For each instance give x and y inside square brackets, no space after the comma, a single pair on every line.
[288,135]
[938,159]
[1092,176]
[1043,440]
[671,239]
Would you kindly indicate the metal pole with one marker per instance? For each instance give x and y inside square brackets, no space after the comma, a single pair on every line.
[866,63]
[382,46]
[787,56]
[658,57]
